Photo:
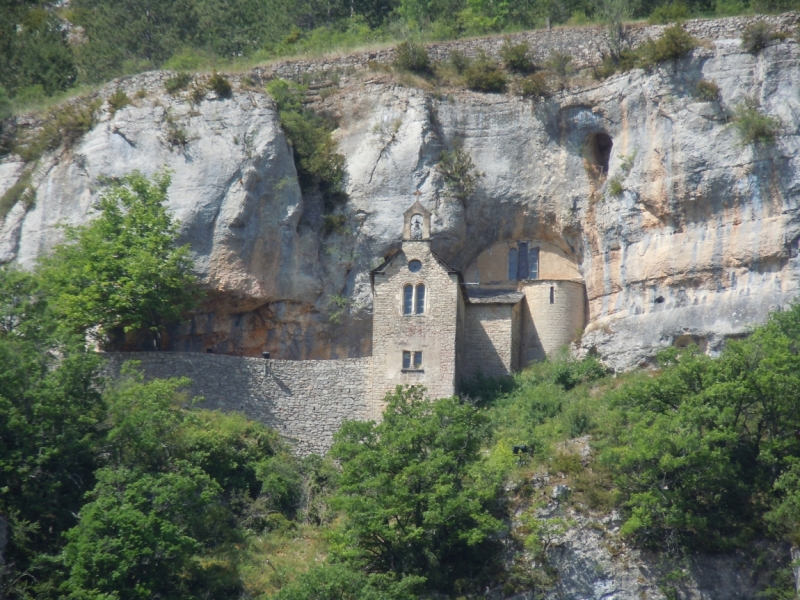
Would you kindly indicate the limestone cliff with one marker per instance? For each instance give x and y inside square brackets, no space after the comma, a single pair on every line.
[701,243]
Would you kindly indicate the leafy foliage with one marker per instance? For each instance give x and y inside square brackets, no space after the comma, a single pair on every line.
[516,57]
[757,36]
[485,75]
[178,82]
[412,56]
[415,491]
[707,90]
[123,270]
[753,126]
[709,442]
[535,86]
[319,166]
[63,126]
[220,85]
[460,175]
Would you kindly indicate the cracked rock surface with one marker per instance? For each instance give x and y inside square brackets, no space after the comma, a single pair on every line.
[701,243]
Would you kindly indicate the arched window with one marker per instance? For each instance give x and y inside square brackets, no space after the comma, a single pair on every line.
[512,264]
[420,302]
[408,299]
[522,260]
[533,263]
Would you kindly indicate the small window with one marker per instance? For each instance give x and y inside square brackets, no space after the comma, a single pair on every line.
[522,259]
[552,295]
[408,299]
[412,360]
[406,359]
[533,263]
[512,264]
[420,302]
[418,360]
[414,266]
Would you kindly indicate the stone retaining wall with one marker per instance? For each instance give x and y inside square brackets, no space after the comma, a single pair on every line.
[586,45]
[305,400]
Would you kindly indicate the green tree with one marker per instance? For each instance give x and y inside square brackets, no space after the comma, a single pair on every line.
[417,498]
[710,445]
[123,269]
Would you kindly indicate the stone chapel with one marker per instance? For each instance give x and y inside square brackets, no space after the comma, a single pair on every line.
[432,325]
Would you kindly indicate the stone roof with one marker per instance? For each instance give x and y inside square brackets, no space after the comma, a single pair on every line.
[486,296]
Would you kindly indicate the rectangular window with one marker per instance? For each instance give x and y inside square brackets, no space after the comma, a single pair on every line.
[406,359]
[418,360]
[522,261]
[533,263]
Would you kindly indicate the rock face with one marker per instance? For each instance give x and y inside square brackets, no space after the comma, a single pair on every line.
[700,243]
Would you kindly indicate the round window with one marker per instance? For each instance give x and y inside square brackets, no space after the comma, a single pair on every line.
[414,265]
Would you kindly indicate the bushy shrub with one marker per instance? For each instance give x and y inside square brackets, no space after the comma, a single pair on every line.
[459,60]
[459,172]
[674,12]
[516,57]
[178,82]
[64,125]
[535,86]
[675,42]
[220,85]
[5,104]
[119,99]
[21,191]
[334,223]
[757,36]
[560,63]
[707,90]
[485,75]
[753,126]
[319,165]
[615,187]
[412,56]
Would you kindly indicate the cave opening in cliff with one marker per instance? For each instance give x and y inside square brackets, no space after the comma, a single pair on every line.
[599,146]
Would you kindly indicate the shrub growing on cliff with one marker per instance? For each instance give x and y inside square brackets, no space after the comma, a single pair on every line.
[220,85]
[485,75]
[516,57]
[757,36]
[460,175]
[123,269]
[319,166]
[535,86]
[675,42]
[753,126]
[707,90]
[412,56]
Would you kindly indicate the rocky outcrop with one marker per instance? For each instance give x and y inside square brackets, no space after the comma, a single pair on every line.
[700,243]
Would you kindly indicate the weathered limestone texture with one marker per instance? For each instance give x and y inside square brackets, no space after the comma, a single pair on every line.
[306,401]
[702,241]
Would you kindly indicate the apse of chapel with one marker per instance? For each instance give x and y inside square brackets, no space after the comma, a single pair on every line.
[545,260]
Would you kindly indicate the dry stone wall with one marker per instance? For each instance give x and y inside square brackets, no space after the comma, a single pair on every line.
[304,400]
[586,45]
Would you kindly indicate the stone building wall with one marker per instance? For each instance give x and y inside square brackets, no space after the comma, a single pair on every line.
[547,326]
[587,45]
[490,341]
[433,333]
[304,400]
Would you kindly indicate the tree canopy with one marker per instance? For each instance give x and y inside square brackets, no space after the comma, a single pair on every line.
[123,269]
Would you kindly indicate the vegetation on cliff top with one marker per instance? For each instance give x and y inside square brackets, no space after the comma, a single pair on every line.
[47,49]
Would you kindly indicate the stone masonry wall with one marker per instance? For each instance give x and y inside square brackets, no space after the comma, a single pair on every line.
[547,326]
[488,344]
[433,332]
[586,45]
[304,400]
